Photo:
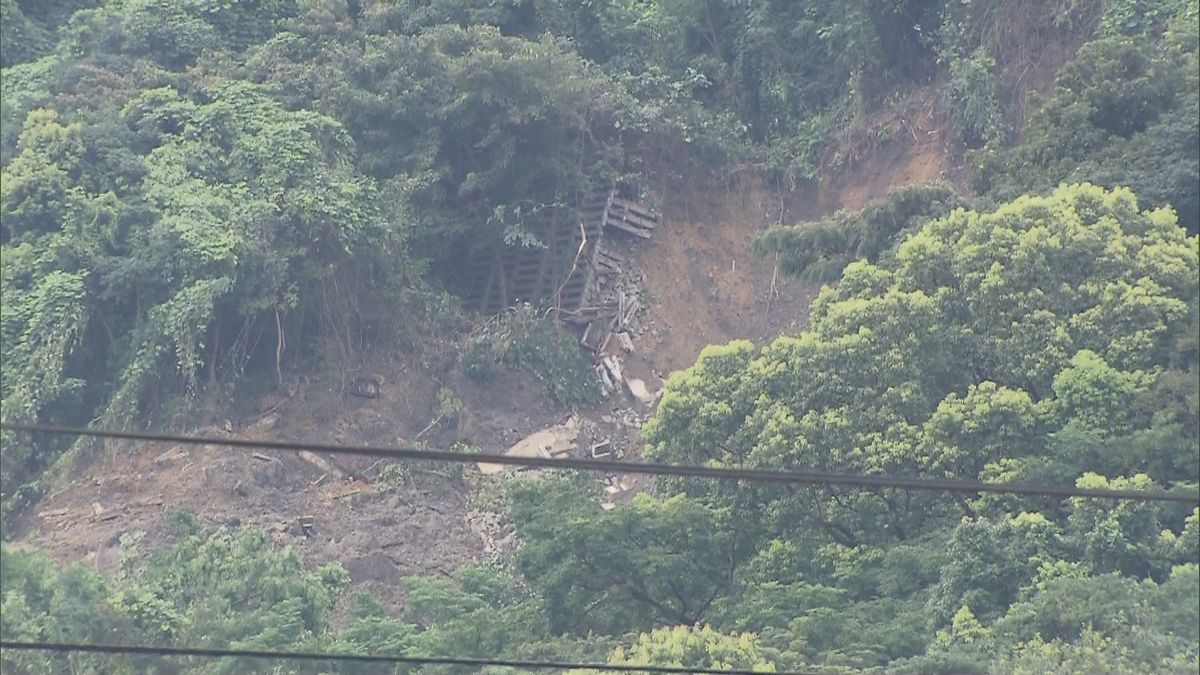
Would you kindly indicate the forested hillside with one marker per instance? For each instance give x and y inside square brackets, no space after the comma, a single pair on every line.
[203,201]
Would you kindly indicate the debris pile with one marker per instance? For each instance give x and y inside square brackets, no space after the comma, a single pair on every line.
[553,442]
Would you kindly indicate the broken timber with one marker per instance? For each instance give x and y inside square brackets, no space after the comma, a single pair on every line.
[626,216]
[496,277]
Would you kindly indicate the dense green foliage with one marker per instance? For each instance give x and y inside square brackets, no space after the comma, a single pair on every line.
[527,340]
[200,197]
[819,251]
[1124,112]
[1023,344]
[1094,384]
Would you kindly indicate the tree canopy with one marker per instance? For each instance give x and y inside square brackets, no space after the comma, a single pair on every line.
[199,199]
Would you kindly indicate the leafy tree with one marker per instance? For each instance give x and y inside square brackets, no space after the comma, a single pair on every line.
[972,98]
[1133,538]
[241,215]
[22,38]
[1123,113]
[45,602]
[232,589]
[484,133]
[654,561]
[1143,18]
[965,289]
[527,339]
[1138,620]
[818,251]
[988,562]
[481,612]
[691,647]
[217,588]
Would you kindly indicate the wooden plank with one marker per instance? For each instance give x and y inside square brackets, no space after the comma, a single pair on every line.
[609,253]
[630,309]
[625,341]
[321,464]
[633,219]
[644,234]
[636,208]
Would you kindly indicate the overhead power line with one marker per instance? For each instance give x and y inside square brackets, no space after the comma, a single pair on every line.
[202,652]
[750,475]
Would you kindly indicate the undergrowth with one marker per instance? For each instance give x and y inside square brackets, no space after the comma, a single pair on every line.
[524,339]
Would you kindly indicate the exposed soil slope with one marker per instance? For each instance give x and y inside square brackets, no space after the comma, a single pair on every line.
[703,286]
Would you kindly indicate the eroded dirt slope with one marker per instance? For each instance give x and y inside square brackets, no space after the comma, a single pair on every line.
[702,285]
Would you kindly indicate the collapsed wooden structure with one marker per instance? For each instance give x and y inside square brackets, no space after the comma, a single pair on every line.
[561,272]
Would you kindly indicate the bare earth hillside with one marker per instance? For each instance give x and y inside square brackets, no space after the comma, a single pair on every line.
[703,286]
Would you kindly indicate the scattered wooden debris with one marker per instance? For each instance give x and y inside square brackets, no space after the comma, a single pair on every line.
[625,341]
[623,215]
[613,366]
[626,316]
[608,262]
[270,403]
[601,449]
[607,385]
[264,458]
[54,513]
[263,423]
[592,337]
[321,464]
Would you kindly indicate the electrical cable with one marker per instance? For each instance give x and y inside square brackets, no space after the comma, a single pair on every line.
[1181,495]
[213,653]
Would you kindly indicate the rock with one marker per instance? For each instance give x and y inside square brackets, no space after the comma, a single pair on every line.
[639,391]
[554,441]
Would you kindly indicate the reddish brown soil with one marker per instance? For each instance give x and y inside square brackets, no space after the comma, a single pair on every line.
[911,143]
[706,286]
